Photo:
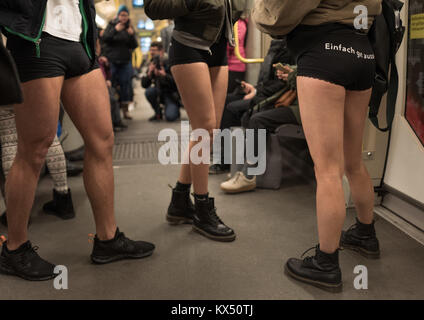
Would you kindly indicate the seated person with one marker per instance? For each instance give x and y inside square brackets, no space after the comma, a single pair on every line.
[268,84]
[164,89]
[285,111]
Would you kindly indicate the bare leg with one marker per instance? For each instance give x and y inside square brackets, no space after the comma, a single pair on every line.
[322,112]
[194,85]
[87,102]
[356,108]
[36,124]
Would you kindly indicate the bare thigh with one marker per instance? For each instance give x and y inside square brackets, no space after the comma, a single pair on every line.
[37,117]
[322,108]
[86,100]
[194,85]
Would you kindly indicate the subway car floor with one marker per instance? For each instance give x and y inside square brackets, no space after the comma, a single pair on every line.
[271,226]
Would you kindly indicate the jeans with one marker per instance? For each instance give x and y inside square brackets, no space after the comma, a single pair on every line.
[122,76]
[154,96]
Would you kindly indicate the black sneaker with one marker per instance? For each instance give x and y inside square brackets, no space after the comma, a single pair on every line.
[61,205]
[118,248]
[321,270]
[25,263]
[181,208]
[362,239]
[207,222]
[219,168]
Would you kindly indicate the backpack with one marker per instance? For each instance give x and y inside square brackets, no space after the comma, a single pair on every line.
[386,35]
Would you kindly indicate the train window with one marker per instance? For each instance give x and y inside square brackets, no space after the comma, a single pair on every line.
[414,111]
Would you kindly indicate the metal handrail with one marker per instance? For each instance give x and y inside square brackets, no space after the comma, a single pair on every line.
[237,49]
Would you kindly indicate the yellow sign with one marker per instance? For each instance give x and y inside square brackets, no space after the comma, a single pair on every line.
[417,26]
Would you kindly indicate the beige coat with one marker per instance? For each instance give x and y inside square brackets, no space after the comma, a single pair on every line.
[279,17]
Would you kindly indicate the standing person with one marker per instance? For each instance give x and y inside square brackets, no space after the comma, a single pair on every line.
[119,38]
[237,68]
[336,69]
[55,58]
[198,60]
[61,205]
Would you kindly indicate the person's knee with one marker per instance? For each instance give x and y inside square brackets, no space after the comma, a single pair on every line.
[353,168]
[102,145]
[329,171]
[255,122]
[34,152]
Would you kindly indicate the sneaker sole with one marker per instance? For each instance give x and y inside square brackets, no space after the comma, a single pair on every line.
[213,237]
[244,189]
[104,260]
[6,270]
[361,251]
[172,220]
[333,288]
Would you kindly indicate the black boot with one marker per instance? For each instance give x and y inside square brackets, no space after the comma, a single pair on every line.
[181,208]
[61,205]
[321,270]
[207,222]
[362,239]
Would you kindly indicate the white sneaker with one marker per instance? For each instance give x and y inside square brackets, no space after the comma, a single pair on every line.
[239,183]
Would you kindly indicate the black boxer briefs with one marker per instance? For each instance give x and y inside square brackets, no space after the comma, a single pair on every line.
[58,57]
[334,53]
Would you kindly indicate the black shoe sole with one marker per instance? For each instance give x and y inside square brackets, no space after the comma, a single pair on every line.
[104,260]
[333,288]
[6,270]
[363,252]
[54,213]
[214,237]
[174,221]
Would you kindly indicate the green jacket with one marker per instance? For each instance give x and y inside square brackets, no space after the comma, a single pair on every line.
[203,19]
[280,17]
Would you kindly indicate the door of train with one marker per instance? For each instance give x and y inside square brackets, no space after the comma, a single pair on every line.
[404,174]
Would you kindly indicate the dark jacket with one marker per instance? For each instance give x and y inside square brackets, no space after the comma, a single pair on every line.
[25,18]
[164,84]
[202,18]
[118,44]
[10,88]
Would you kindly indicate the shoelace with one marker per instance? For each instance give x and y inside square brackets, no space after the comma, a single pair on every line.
[236,177]
[314,247]
[215,216]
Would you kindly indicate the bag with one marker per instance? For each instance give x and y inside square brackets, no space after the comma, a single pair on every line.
[10,87]
[386,35]
[286,99]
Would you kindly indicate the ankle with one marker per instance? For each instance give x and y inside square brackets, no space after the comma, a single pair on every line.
[183,186]
[365,228]
[13,245]
[107,233]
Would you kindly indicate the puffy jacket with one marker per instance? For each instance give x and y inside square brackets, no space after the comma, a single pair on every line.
[202,18]
[25,18]
[280,17]
[118,44]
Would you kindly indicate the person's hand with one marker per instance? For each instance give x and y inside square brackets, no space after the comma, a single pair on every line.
[249,90]
[284,74]
[160,73]
[119,27]
[130,31]
[151,69]
[103,60]
[109,83]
